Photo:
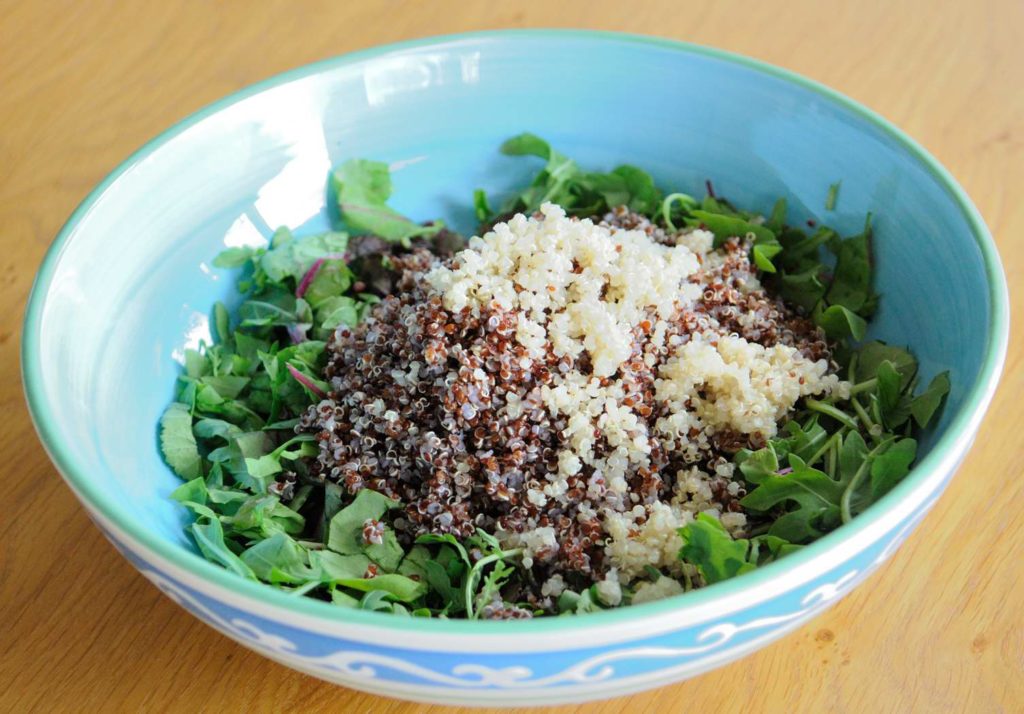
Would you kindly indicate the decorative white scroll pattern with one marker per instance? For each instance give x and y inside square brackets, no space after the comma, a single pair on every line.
[360,665]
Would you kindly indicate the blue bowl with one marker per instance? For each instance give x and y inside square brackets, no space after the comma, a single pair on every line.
[128,285]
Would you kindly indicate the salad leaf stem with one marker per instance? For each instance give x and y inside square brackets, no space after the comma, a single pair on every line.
[826,447]
[866,385]
[831,411]
[833,458]
[688,202]
[862,413]
[845,512]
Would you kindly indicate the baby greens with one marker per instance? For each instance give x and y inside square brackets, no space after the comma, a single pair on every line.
[231,436]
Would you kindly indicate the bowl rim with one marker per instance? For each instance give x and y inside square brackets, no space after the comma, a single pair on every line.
[956,439]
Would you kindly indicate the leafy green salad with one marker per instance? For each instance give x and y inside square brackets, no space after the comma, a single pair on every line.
[297,478]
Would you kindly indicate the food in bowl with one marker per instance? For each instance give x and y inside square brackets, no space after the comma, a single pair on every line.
[609,397]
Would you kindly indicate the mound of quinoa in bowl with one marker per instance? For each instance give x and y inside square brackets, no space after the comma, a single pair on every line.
[577,388]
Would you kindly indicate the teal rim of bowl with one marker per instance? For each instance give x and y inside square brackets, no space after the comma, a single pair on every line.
[108,505]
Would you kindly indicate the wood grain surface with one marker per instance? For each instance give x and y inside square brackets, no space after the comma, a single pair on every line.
[82,84]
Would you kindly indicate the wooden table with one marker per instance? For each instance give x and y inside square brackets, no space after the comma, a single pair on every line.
[940,628]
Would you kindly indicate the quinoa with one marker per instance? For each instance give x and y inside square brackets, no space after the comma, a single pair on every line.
[578,389]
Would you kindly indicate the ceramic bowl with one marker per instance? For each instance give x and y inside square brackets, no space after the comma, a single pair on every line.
[128,284]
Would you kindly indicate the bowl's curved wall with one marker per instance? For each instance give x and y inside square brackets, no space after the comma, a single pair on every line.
[130,283]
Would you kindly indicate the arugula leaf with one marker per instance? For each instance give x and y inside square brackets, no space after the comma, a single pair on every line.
[178,443]
[642,195]
[852,453]
[440,581]
[871,354]
[448,538]
[580,193]
[758,465]
[924,405]
[804,441]
[812,495]
[362,188]
[840,323]
[804,289]
[851,284]
[490,588]
[889,467]
[707,545]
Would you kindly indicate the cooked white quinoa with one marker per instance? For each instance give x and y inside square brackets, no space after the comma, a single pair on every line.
[577,388]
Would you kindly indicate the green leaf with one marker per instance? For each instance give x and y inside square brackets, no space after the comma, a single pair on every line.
[889,467]
[707,545]
[526,144]
[763,255]
[363,188]
[804,289]
[334,311]
[812,496]
[331,280]
[343,599]
[552,183]
[346,529]
[415,562]
[725,227]
[387,554]
[234,257]
[447,538]
[851,284]
[264,516]
[279,559]
[804,441]
[871,354]
[490,588]
[192,491]
[924,405]
[335,566]
[215,429]
[852,453]
[777,220]
[759,465]
[481,208]
[840,323]
[397,586]
[227,386]
[209,537]
[293,257]
[642,195]
[888,386]
[221,323]
[440,582]
[178,443]
[196,364]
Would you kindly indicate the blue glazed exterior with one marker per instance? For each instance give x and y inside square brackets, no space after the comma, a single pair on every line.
[128,285]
